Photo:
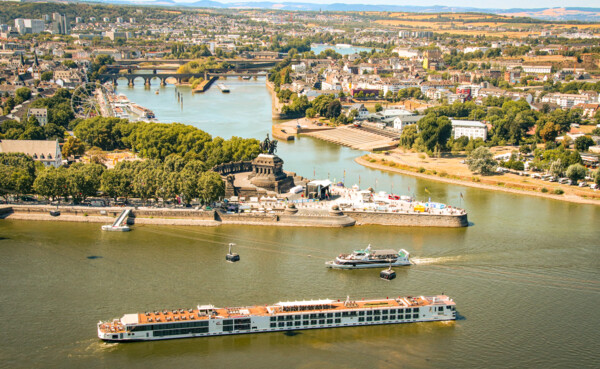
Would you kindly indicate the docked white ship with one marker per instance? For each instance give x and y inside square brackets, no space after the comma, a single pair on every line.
[207,320]
[369,258]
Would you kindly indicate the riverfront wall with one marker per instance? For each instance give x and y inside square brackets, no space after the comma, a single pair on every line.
[409,219]
[300,218]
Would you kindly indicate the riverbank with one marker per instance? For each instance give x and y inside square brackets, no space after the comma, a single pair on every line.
[532,188]
[275,104]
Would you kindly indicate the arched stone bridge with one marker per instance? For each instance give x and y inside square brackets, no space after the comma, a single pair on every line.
[180,77]
[149,77]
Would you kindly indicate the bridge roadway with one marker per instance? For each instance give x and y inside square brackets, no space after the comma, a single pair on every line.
[243,63]
[180,77]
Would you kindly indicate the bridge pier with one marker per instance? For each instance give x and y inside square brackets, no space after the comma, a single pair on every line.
[147,82]
[130,82]
[163,82]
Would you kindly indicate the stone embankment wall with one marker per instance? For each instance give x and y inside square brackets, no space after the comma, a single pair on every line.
[302,218]
[5,210]
[284,219]
[409,219]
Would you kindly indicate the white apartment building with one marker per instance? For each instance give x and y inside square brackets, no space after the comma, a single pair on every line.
[403,121]
[539,69]
[566,101]
[469,128]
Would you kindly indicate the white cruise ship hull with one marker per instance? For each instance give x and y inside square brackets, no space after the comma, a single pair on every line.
[263,324]
[206,320]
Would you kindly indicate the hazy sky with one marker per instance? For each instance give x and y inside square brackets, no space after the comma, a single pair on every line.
[504,4]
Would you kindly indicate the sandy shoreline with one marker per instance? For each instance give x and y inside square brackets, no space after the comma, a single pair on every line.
[574,199]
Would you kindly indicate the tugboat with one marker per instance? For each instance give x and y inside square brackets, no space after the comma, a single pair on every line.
[368,258]
[232,257]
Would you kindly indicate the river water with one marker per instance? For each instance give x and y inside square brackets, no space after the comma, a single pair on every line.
[525,274]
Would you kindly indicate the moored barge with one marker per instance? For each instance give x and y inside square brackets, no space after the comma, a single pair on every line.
[207,320]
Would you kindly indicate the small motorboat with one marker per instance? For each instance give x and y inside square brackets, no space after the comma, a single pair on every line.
[232,257]
[54,213]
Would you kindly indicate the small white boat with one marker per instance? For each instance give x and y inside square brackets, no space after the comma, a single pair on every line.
[368,258]
[112,228]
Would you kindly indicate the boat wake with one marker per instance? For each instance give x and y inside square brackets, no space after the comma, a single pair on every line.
[439,260]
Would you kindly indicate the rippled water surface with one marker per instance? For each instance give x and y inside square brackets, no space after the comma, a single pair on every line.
[525,275]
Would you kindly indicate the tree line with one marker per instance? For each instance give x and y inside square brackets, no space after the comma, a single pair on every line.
[177,165]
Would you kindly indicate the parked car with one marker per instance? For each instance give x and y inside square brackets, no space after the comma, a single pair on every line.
[582,184]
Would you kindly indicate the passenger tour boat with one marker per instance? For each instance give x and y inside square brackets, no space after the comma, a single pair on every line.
[368,258]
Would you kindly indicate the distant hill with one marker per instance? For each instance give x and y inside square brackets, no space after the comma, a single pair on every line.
[565,13]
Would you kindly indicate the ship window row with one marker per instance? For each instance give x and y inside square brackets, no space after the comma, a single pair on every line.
[391,317]
[151,327]
[176,332]
[345,314]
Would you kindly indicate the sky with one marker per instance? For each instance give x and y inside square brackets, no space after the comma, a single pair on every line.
[502,4]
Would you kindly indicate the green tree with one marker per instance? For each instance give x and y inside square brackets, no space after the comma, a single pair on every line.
[481,161]
[211,187]
[47,76]
[557,168]
[73,147]
[22,94]
[434,131]
[576,172]
[597,178]
[52,183]
[115,183]
[583,143]
[334,109]
[17,173]
[378,107]
[83,180]
[408,136]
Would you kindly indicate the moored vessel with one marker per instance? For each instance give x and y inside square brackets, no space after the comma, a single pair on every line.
[368,258]
[208,320]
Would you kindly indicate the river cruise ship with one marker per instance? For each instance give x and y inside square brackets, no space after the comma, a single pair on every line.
[207,320]
[369,258]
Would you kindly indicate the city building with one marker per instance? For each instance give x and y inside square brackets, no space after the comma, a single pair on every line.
[539,69]
[60,24]
[40,114]
[46,152]
[468,128]
[28,26]
[402,121]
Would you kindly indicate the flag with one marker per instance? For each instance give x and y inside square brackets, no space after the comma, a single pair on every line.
[461,196]
[427,191]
